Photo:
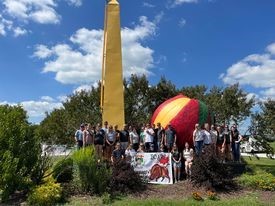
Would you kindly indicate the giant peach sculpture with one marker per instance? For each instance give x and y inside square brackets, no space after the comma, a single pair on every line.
[182,113]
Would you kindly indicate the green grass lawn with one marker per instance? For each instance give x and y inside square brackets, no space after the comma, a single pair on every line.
[272,144]
[250,199]
[265,164]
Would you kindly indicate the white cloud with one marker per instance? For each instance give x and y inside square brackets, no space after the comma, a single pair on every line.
[182,22]
[75,2]
[175,3]
[269,93]
[42,51]
[85,88]
[83,64]
[271,48]
[19,31]
[42,11]
[256,70]
[146,4]
[36,109]
[39,108]
[5,25]
[21,12]
[2,29]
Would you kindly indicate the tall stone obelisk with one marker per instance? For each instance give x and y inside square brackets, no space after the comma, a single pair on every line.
[112,95]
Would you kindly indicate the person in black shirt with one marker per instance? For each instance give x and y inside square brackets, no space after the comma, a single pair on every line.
[176,161]
[160,134]
[235,138]
[124,138]
[99,141]
[227,150]
[220,144]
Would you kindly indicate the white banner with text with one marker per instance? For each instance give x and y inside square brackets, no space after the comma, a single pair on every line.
[155,167]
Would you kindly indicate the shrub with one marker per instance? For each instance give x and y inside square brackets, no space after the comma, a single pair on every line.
[19,151]
[261,180]
[125,180]
[46,194]
[63,170]
[106,198]
[208,171]
[93,176]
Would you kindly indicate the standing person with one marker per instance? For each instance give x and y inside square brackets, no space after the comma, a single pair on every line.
[142,135]
[214,135]
[176,161]
[220,144]
[99,141]
[117,133]
[79,135]
[188,159]
[105,127]
[235,138]
[148,138]
[226,134]
[170,137]
[160,136]
[124,138]
[155,138]
[117,154]
[207,135]
[198,139]
[134,138]
[110,141]
[88,135]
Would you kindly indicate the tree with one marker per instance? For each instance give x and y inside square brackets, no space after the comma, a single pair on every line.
[19,150]
[195,92]
[229,104]
[137,95]
[263,122]
[164,90]
[81,107]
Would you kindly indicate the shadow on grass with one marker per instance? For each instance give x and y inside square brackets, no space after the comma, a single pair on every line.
[254,164]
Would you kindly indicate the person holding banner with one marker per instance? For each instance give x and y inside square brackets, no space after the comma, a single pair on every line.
[176,161]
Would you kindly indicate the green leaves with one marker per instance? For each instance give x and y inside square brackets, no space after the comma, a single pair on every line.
[19,150]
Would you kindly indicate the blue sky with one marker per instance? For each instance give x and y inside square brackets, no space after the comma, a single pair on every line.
[52,48]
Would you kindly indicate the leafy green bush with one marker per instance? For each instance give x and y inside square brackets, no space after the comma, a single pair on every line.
[46,194]
[208,171]
[20,151]
[63,170]
[94,176]
[261,180]
[125,180]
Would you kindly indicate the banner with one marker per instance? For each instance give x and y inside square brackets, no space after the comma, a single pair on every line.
[155,167]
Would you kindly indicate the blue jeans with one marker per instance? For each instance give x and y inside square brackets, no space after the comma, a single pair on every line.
[198,147]
[236,151]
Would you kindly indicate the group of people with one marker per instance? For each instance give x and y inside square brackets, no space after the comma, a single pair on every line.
[113,144]
[224,141]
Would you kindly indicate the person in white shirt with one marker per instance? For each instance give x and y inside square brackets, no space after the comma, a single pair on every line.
[149,137]
[207,135]
[198,139]
[134,138]
[130,153]
[188,158]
